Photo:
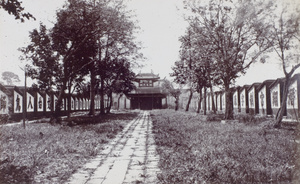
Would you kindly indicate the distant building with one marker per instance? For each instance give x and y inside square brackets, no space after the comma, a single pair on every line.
[276,93]
[148,93]
[293,102]
[236,100]
[244,99]
[253,98]
[264,101]
[218,102]
[4,100]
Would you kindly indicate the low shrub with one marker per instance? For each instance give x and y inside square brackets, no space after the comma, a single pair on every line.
[250,119]
[4,118]
[215,117]
[196,151]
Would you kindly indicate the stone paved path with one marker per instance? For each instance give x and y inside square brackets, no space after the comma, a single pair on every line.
[129,158]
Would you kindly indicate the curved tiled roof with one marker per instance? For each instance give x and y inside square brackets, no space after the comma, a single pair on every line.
[146,76]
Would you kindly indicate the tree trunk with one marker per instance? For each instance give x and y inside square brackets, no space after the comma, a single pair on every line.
[204,102]
[57,110]
[102,108]
[282,109]
[228,104]
[212,100]
[69,105]
[92,92]
[109,102]
[25,101]
[69,101]
[200,100]
[176,103]
[189,101]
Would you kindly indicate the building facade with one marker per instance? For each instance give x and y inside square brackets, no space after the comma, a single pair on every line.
[292,105]
[253,98]
[148,93]
[264,101]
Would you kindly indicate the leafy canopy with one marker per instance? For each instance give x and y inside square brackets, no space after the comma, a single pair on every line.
[14,7]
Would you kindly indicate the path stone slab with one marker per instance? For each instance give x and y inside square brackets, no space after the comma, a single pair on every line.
[78,178]
[102,171]
[134,175]
[130,157]
[95,181]
[117,173]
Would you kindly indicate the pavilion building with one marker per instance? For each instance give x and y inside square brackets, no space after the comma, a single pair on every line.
[148,94]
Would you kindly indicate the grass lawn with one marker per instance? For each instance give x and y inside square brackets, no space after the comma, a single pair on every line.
[45,153]
[195,151]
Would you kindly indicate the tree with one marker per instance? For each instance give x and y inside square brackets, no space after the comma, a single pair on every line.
[203,82]
[183,76]
[14,7]
[120,80]
[233,32]
[182,71]
[79,44]
[169,88]
[45,66]
[194,68]
[10,77]
[73,37]
[284,35]
[115,45]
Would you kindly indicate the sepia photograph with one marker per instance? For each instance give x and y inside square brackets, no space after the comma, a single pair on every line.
[152,92]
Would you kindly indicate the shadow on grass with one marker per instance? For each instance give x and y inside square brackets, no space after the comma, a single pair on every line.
[15,174]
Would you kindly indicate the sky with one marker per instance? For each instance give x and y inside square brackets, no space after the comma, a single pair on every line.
[161,23]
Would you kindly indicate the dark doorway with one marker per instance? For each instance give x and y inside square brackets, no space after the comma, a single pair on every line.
[146,103]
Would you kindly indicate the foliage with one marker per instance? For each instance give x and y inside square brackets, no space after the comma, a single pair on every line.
[4,118]
[45,61]
[45,153]
[214,117]
[10,77]
[193,70]
[249,119]
[195,151]
[229,36]
[116,47]
[284,35]
[193,65]
[170,89]
[120,78]
[14,7]
[86,36]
